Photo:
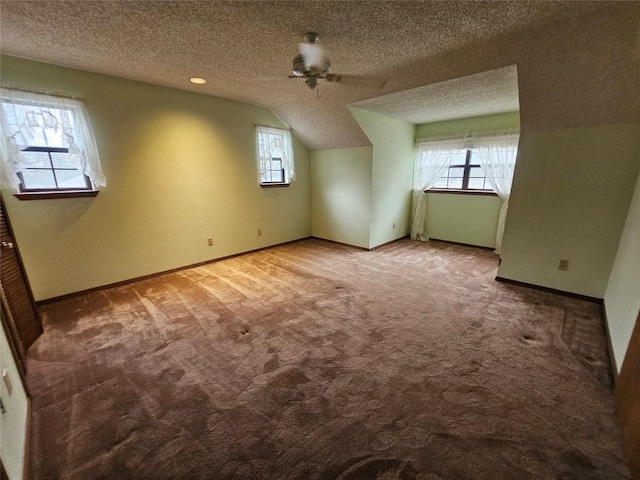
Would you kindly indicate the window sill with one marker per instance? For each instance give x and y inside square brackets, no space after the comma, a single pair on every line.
[463,192]
[274,185]
[52,195]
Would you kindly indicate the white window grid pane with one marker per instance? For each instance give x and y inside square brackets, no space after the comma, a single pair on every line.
[71,179]
[35,160]
[441,182]
[458,158]
[455,183]
[456,172]
[64,160]
[38,179]
[476,183]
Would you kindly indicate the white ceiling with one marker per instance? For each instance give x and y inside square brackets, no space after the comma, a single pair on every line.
[486,93]
[245,49]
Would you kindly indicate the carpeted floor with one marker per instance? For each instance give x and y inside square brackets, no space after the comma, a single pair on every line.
[318,361]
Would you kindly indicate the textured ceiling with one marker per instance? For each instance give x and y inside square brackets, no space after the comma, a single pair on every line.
[245,49]
[495,91]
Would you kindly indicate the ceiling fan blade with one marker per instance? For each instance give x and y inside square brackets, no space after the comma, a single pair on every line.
[371,82]
[314,56]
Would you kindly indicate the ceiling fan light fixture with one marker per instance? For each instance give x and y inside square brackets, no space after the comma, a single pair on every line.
[198,80]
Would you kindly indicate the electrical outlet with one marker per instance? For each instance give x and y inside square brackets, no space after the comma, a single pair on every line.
[259,232]
[210,241]
[563,264]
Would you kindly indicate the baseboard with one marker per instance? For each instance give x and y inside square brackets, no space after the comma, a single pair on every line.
[463,244]
[550,290]
[362,248]
[340,243]
[388,243]
[607,334]
[99,288]
[66,296]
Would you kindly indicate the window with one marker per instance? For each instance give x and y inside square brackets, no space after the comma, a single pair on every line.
[477,163]
[49,168]
[47,144]
[274,172]
[462,173]
[275,156]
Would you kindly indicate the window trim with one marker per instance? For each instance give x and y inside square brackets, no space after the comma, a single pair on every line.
[75,124]
[286,149]
[56,195]
[489,193]
[274,185]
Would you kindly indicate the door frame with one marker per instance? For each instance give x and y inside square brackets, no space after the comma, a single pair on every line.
[627,392]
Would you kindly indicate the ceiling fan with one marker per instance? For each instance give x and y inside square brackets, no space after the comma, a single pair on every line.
[313,64]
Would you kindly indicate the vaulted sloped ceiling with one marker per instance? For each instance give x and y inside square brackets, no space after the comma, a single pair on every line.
[485,93]
[577,61]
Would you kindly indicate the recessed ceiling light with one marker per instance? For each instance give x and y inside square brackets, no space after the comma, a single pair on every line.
[198,80]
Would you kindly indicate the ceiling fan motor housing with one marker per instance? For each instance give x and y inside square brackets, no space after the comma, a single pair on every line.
[298,66]
[311,37]
[312,62]
[300,70]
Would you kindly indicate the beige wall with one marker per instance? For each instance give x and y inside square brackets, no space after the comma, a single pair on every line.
[361,196]
[393,145]
[622,297]
[180,167]
[468,125]
[13,424]
[341,195]
[571,193]
[470,219]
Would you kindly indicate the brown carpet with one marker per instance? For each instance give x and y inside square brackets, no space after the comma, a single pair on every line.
[318,361]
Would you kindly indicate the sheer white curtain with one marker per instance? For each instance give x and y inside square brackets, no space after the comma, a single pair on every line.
[275,143]
[496,154]
[432,159]
[32,119]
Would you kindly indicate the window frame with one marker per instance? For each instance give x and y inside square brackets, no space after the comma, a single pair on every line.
[271,171]
[25,118]
[286,148]
[49,150]
[467,167]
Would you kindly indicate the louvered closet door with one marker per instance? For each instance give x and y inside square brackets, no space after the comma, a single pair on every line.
[24,317]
